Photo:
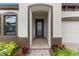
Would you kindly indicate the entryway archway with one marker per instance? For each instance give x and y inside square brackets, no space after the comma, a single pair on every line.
[40,23]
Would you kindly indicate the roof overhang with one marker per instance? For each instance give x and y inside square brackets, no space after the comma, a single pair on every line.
[9,6]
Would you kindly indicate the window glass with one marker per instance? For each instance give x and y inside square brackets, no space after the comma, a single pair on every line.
[10,25]
[0,24]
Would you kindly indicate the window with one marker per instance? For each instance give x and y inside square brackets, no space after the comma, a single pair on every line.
[0,24]
[9,24]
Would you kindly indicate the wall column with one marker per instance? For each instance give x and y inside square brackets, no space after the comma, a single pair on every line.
[49,27]
[30,27]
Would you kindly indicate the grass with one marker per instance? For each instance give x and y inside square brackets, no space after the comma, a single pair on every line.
[64,52]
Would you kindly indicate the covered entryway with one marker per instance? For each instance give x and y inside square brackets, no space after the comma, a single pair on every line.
[40,25]
[70,32]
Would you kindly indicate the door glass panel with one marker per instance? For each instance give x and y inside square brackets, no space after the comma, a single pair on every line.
[39,28]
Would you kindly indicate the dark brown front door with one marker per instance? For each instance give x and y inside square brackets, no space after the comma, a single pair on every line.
[39,32]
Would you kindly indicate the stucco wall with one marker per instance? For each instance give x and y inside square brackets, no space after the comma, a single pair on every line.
[23,19]
[57,20]
[4,11]
[66,14]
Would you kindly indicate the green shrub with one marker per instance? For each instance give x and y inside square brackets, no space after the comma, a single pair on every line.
[7,48]
[64,52]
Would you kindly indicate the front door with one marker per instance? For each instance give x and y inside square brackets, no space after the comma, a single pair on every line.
[39,32]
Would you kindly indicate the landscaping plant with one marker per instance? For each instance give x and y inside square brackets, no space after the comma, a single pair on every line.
[6,49]
[64,52]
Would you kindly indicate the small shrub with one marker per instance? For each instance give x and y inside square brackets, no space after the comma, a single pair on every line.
[64,52]
[6,49]
[25,50]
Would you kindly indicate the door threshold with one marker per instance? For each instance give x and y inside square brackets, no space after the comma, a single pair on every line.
[39,38]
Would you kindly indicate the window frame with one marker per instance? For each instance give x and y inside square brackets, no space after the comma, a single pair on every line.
[0,25]
[3,20]
[4,26]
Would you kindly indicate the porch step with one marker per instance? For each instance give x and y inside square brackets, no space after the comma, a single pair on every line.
[40,47]
[39,52]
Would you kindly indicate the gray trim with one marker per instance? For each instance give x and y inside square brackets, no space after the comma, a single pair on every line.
[29,18]
[29,25]
[70,19]
[0,13]
[56,40]
[9,8]
[51,22]
[39,4]
[8,39]
[23,41]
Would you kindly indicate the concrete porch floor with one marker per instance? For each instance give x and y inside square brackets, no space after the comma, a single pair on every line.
[39,47]
[40,43]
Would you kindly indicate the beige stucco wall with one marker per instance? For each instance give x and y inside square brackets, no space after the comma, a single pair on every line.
[66,14]
[57,20]
[4,11]
[23,19]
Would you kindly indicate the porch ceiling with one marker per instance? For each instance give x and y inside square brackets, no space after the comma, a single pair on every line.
[40,13]
[40,8]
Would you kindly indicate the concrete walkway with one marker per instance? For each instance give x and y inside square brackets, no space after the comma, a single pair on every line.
[39,47]
[39,52]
